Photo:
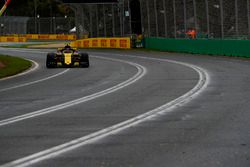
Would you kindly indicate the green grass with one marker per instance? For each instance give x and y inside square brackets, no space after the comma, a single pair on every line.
[13,65]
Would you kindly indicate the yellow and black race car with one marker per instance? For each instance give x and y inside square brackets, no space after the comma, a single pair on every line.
[67,57]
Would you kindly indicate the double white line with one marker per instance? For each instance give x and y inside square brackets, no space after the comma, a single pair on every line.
[140,73]
[168,107]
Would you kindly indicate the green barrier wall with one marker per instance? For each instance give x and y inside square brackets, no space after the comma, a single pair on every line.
[239,48]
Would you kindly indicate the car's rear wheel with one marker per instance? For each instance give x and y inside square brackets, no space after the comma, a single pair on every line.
[84,60]
[50,61]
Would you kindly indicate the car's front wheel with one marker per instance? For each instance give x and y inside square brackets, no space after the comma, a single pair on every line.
[84,60]
[50,61]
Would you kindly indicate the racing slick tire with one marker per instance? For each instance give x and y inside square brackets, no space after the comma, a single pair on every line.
[84,60]
[50,61]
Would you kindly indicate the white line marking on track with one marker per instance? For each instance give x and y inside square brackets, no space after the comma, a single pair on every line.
[140,73]
[93,137]
[36,66]
[34,82]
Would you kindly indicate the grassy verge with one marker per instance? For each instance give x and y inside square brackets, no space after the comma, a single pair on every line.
[31,44]
[23,45]
[13,65]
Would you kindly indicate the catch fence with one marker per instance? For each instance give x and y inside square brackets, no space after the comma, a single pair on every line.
[36,25]
[165,18]
[151,18]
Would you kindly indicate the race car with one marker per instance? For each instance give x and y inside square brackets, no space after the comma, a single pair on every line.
[67,57]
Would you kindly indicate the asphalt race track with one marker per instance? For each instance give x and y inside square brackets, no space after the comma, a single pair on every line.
[129,109]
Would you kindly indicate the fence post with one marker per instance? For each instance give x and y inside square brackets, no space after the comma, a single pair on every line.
[51,25]
[156,19]
[39,25]
[195,16]
[97,20]
[208,19]
[248,17]
[129,11]
[123,18]
[91,21]
[51,20]
[142,23]
[35,12]
[185,15]
[174,13]
[222,19]
[236,19]
[121,14]
[165,18]
[104,21]
[113,20]
[149,29]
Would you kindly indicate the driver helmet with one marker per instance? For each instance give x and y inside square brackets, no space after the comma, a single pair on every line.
[67,47]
